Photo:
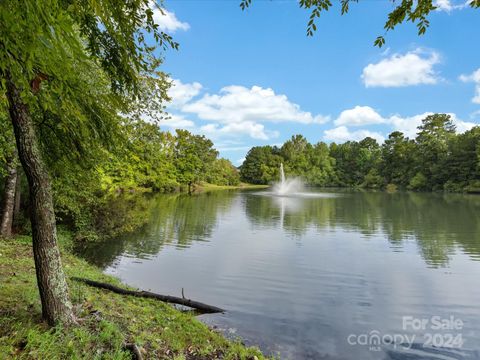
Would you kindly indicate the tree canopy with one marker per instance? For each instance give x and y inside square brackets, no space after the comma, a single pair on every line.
[437,159]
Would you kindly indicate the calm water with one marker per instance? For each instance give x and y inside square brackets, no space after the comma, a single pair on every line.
[317,277]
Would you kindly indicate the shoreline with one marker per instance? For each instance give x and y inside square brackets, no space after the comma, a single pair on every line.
[205,187]
[107,322]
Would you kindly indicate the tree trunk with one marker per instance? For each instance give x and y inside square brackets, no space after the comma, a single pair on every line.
[8,198]
[56,305]
[18,196]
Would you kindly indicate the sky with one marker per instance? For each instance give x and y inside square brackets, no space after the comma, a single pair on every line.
[248,78]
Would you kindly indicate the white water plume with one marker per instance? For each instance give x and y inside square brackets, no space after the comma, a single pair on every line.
[287,186]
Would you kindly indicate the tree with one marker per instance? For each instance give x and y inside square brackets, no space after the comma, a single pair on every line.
[8,159]
[261,165]
[438,160]
[144,159]
[416,12]
[193,155]
[397,159]
[322,170]
[8,203]
[432,140]
[463,164]
[46,46]
[354,160]
[222,172]
[368,160]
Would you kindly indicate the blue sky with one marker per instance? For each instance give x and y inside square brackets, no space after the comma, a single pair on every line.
[255,78]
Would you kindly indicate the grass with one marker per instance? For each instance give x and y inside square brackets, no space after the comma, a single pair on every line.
[106,320]
[212,187]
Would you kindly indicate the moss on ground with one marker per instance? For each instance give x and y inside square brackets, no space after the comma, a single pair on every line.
[106,321]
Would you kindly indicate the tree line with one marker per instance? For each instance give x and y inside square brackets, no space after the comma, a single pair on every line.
[143,159]
[438,159]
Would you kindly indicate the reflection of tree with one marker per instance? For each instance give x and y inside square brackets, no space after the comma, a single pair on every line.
[172,219]
[182,219]
[438,223]
[293,214]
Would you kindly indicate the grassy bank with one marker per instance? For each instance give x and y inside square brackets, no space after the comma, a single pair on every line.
[242,186]
[106,321]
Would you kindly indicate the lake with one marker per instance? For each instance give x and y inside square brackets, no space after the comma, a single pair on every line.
[338,275]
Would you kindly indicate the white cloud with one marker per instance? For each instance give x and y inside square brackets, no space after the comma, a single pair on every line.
[177,122]
[237,104]
[358,116]
[443,5]
[250,128]
[181,93]
[232,148]
[413,68]
[342,134]
[166,20]
[240,110]
[407,125]
[474,77]
[461,125]
[449,5]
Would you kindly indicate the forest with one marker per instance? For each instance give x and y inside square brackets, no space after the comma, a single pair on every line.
[142,159]
[438,159]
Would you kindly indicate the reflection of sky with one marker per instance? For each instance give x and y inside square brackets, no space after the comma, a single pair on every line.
[306,298]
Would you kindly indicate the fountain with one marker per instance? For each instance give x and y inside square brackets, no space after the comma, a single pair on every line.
[290,192]
[287,187]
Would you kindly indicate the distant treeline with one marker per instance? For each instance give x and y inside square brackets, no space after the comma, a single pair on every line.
[438,159]
[94,186]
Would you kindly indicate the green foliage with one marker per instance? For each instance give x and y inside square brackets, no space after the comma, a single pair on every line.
[192,155]
[373,180]
[222,172]
[463,162]
[100,199]
[438,159]
[79,65]
[391,188]
[418,182]
[398,155]
[51,37]
[95,180]
[261,165]
[144,160]
[473,187]
[436,132]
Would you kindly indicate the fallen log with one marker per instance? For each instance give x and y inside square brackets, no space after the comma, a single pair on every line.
[204,308]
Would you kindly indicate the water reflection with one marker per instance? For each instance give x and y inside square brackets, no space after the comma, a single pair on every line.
[438,223]
[298,275]
[176,220]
